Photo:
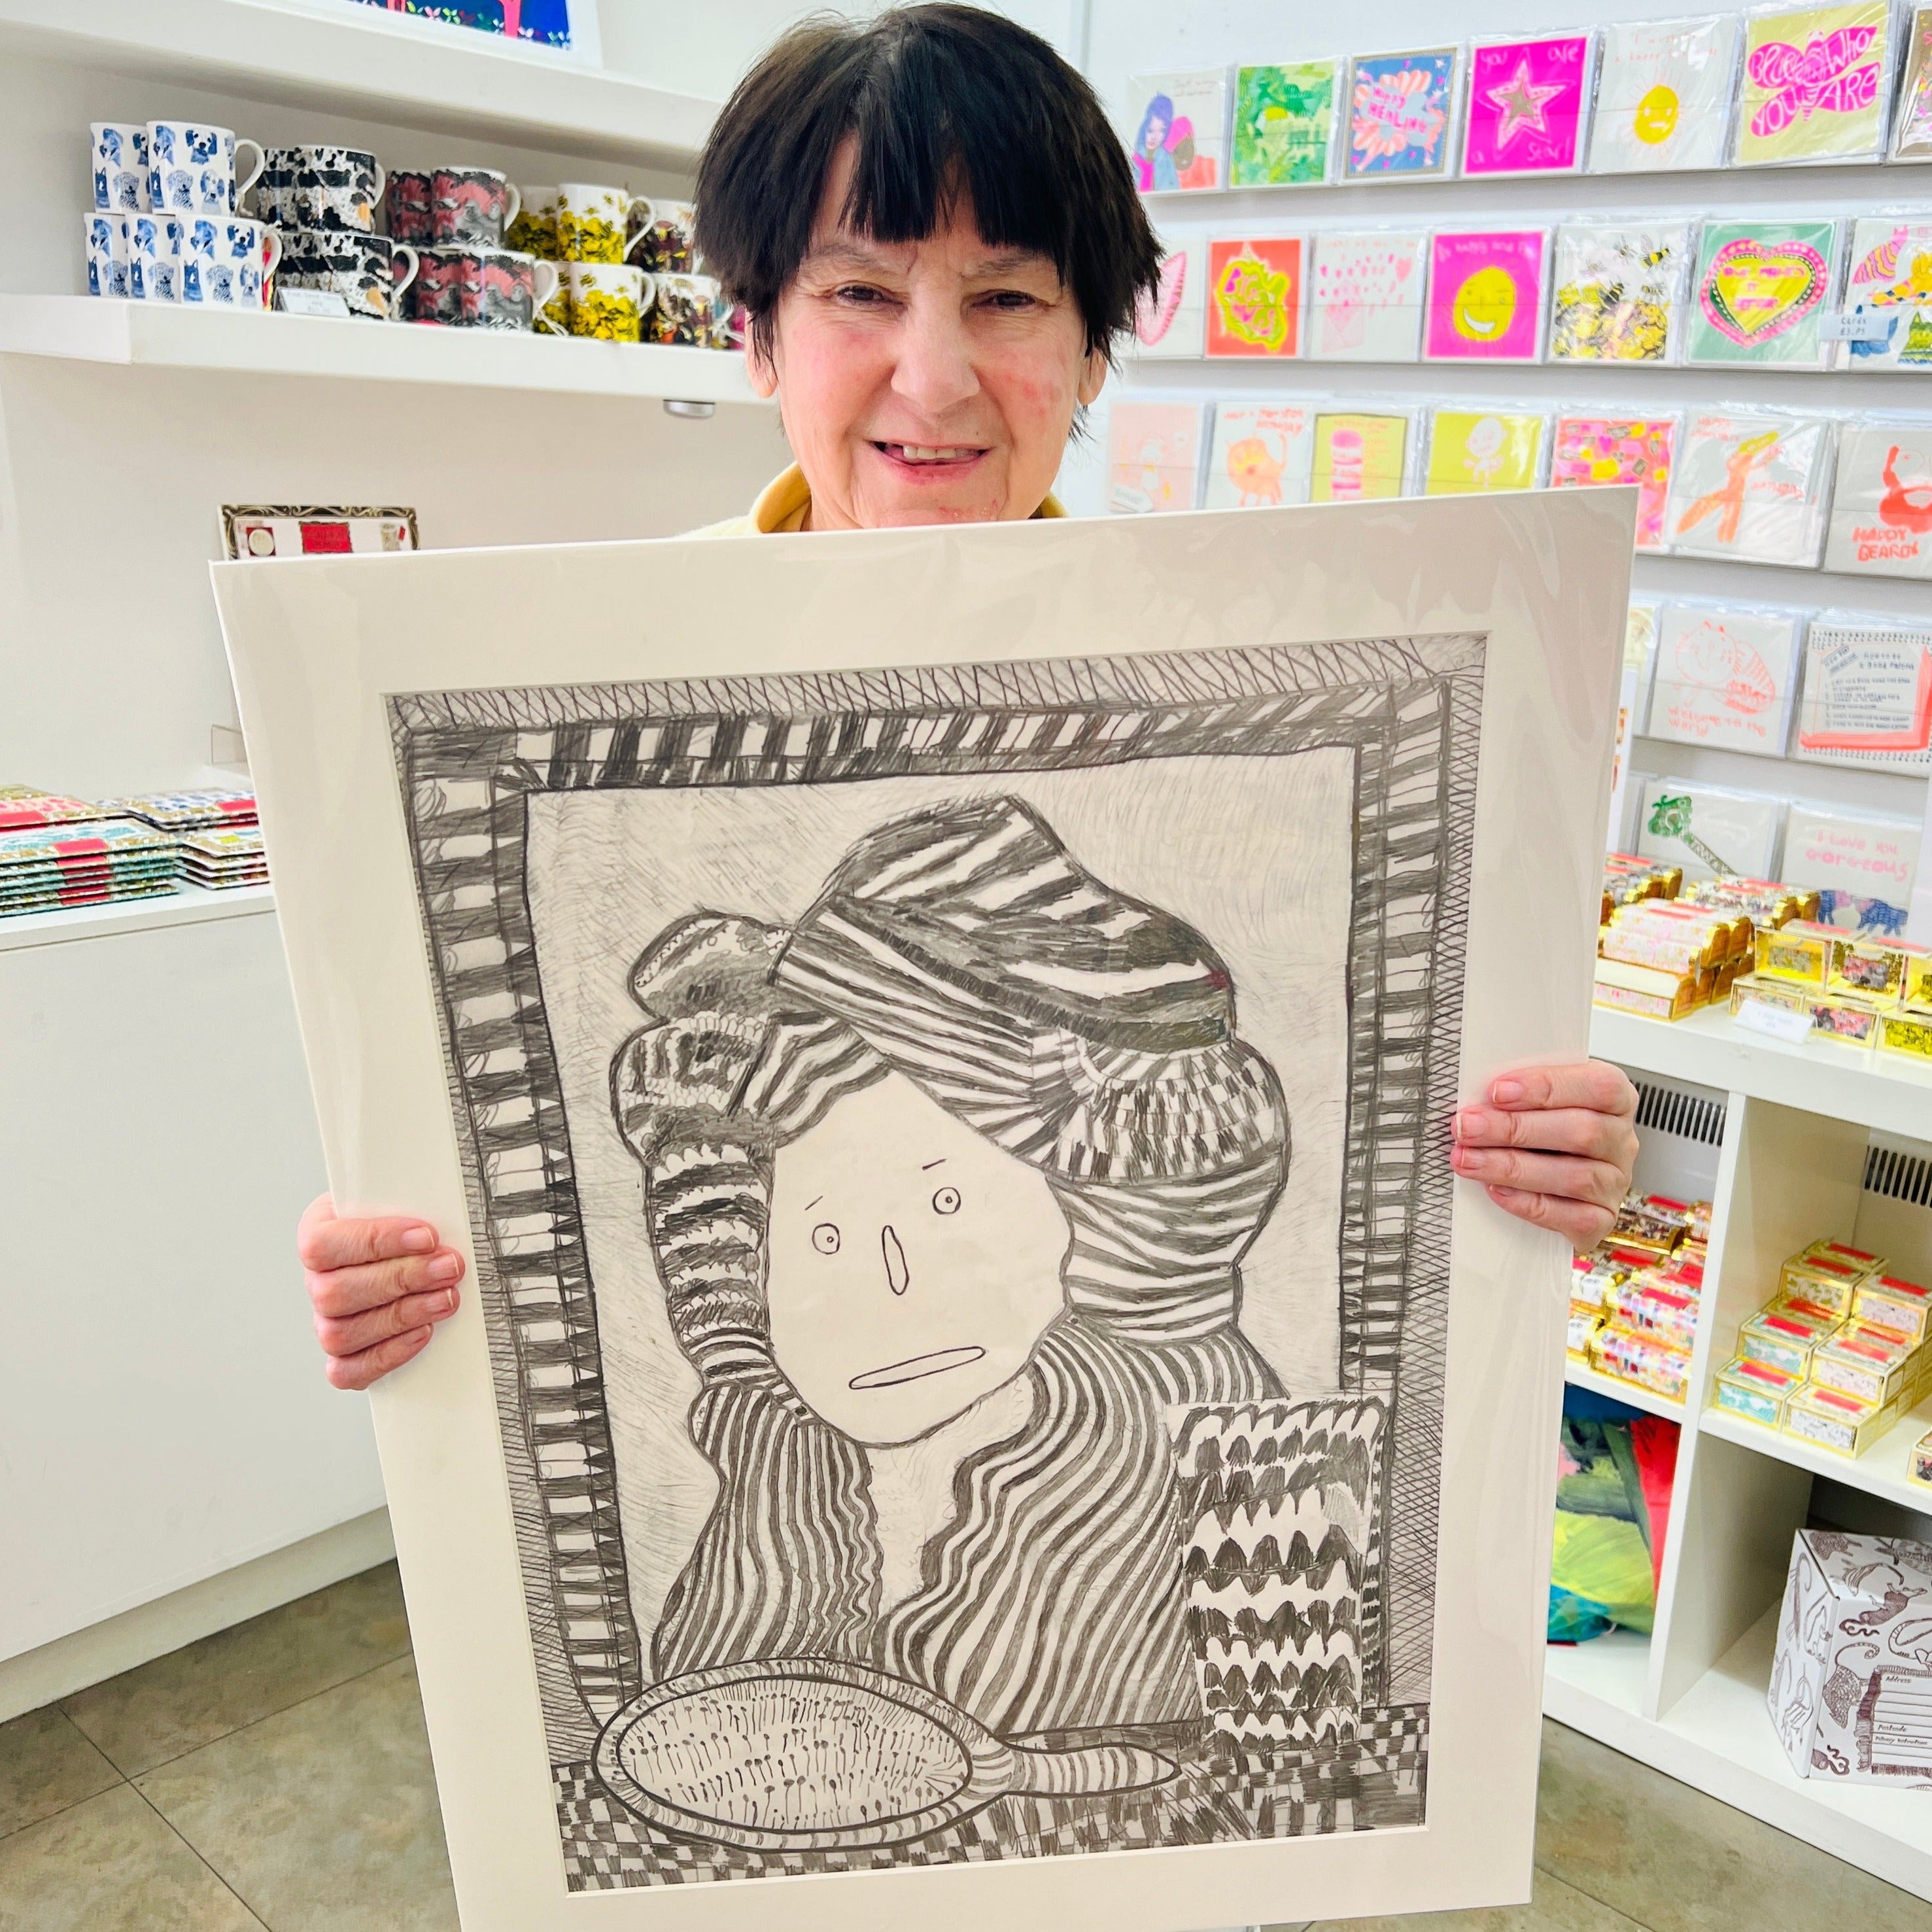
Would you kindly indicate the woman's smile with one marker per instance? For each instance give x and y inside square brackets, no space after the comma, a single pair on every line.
[915,1368]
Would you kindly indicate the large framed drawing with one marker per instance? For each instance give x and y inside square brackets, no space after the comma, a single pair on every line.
[951,1131]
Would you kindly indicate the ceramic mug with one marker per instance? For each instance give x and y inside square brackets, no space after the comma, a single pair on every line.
[120,164]
[411,195]
[369,272]
[690,309]
[105,230]
[229,261]
[192,168]
[534,230]
[471,208]
[154,244]
[605,300]
[593,222]
[480,288]
[317,187]
[660,236]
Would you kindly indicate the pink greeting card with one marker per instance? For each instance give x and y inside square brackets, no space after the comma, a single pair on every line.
[1486,289]
[1526,106]
[1596,449]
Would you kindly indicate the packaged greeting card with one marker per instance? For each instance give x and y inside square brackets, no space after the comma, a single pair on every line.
[1619,292]
[1889,292]
[1473,451]
[1750,485]
[1760,291]
[1587,449]
[1360,454]
[1664,89]
[1527,104]
[1171,321]
[1881,499]
[1814,84]
[1154,457]
[1709,830]
[1911,132]
[1365,296]
[1867,696]
[1856,857]
[1284,124]
[1255,288]
[1725,676]
[1180,130]
[1486,289]
[1399,113]
[1261,454]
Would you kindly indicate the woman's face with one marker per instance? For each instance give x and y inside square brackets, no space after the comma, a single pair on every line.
[931,382]
[912,1265]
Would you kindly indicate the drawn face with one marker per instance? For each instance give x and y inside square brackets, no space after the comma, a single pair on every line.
[913,1265]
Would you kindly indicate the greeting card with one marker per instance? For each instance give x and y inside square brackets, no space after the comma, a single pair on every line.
[1890,284]
[1359,454]
[1180,129]
[1254,296]
[1725,676]
[1261,454]
[1814,85]
[1284,124]
[1749,486]
[1587,450]
[1709,830]
[1633,703]
[1473,450]
[1881,499]
[1527,103]
[1485,302]
[1399,110]
[1619,292]
[1154,457]
[1365,296]
[1171,322]
[1854,856]
[1867,698]
[1663,95]
[1912,136]
[1760,290]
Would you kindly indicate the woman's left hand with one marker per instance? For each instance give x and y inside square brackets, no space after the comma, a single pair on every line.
[1553,1145]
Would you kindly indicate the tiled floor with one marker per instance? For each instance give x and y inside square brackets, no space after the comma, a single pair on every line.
[276,1776]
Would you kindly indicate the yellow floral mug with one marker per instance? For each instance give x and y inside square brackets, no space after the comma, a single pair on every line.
[593,222]
[607,301]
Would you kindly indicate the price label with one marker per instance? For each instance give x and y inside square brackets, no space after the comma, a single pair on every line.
[311,301]
[1776,1022]
[1860,325]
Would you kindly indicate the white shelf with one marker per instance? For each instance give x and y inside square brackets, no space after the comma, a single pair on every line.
[1880,1472]
[1845,1083]
[1718,1737]
[192,905]
[170,335]
[445,80]
[1578,1375]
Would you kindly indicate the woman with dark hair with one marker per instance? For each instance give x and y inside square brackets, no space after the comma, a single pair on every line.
[935,234]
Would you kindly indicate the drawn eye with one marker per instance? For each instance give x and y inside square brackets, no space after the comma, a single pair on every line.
[946,1200]
[825,1238]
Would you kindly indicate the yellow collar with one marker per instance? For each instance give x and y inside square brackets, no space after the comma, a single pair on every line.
[783,503]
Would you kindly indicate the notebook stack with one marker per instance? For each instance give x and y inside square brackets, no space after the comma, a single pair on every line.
[217,830]
[58,852]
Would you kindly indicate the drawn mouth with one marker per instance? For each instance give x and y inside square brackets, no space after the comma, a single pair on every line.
[916,1367]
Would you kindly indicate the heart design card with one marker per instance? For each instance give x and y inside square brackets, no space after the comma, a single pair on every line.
[1663,95]
[1170,322]
[1284,124]
[1179,131]
[1619,293]
[1867,697]
[1527,104]
[1154,457]
[1486,288]
[1261,454]
[1912,130]
[1400,115]
[1890,279]
[1749,486]
[1814,85]
[1475,451]
[1360,454]
[1365,296]
[1725,676]
[1255,288]
[1881,499]
[1761,289]
[1592,450]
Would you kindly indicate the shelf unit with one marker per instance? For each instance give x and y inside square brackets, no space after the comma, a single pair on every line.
[191,905]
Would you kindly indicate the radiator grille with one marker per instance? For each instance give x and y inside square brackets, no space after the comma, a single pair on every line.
[1898,1176]
[1691,1117]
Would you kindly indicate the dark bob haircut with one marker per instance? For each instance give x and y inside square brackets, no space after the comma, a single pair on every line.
[944,100]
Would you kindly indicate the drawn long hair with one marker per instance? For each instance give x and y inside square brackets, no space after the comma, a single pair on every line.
[1089,1036]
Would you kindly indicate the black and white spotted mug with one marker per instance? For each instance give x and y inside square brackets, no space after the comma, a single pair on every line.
[369,272]
[321,186]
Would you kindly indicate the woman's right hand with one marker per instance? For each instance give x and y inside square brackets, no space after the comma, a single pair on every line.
[377,1287]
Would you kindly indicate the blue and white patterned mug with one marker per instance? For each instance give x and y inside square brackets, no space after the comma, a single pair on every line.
[154,246]
[192,169]
[229,262]
[105,231]
[120,164]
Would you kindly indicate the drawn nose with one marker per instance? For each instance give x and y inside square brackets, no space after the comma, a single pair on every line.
[896,1272]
